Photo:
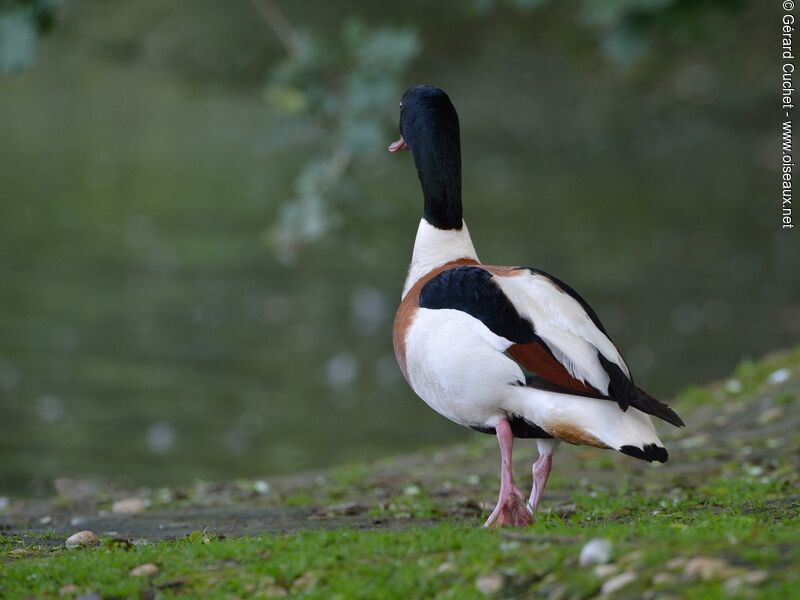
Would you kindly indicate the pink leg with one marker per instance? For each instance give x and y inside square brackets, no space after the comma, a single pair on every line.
[511,508]
[541,471]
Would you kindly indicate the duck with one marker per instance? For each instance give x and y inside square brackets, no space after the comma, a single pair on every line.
[510,351]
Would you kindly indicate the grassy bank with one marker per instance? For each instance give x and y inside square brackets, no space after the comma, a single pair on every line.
[721,519]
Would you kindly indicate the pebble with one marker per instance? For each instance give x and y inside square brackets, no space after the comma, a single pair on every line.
[82,538]
[733,386]
[618,582]
[675,563]
[69,590]
[446,567]
[770,415]
[779,376]
[490,584]
[751,578]
[261,486]
[345,508]
[596,552]
[145,570]
[274,591]
[302,582]
[129,506]
[603,571]
[663,579]
[412,490]
[705,568]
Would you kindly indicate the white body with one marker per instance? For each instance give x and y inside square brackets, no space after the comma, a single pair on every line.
[458,366]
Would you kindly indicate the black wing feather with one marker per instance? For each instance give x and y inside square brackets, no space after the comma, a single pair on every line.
[472,290]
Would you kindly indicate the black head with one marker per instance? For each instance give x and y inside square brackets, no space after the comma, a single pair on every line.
[429,128]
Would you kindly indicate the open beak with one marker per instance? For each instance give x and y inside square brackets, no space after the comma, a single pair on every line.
[398,145]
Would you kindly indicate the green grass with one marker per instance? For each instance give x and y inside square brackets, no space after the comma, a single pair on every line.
[729,493]
[736,520]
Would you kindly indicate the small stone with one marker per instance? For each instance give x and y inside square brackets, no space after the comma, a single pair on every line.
[446,567]
[779,376]
[663,579]
[302,582]
[771,414]
[81,539]
[262,487]
[4,502]
[274,591]
[69,590]
[756,577]
[411,490]
[749,579]
[605,571]
[46,520]
[346,508]
[596,552]
[129,506]
[145,570]
[754,470]
[705,568]
[733,386]
[490,584]
[675,563]
[618,582]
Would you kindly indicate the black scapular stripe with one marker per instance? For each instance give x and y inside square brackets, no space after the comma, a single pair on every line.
[472,290]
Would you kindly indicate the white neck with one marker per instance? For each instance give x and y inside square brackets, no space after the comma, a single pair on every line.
[435,247]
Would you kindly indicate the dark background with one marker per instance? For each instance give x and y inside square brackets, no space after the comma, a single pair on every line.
[203,239]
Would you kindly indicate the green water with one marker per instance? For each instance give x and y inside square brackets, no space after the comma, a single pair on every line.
[148,334]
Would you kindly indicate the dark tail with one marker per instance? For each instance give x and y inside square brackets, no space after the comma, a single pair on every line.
[626,393]
[648,452]
[646,403]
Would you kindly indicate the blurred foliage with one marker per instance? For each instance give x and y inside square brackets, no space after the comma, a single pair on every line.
[21,22]
[145,332]
[627,28]
[347,88]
